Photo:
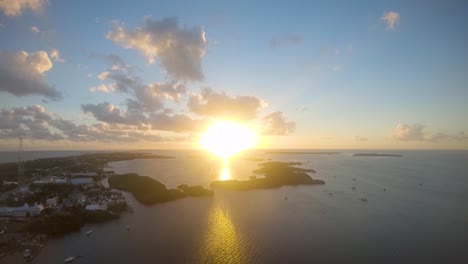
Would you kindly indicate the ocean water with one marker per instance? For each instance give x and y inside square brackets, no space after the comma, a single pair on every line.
[415,212]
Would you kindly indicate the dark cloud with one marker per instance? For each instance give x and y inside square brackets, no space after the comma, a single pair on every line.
[23,74]
[37,124]
[179,50]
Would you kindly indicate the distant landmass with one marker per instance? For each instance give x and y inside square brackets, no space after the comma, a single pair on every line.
[276,174]
[85,162]
[304,152]
[149,191]
[377,155]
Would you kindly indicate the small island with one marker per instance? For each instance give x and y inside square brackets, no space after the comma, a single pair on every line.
[149,191]
[304,152]
[276,174]
[376,155]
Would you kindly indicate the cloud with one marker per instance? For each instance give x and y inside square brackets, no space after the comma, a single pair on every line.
[54,54]
[176,123]
[392,19]
[360,139]
[135,116]
[220,105]
[276,124]
[416,132]
[337,68]
[23,74]
[115,61]
[150,96]
[38,124]
[16,7]
[408,132]
[34,29]
[276,41]
[179,50]
[102,88]
[109,113]
[103,75]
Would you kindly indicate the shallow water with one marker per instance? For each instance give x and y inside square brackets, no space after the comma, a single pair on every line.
[421,217]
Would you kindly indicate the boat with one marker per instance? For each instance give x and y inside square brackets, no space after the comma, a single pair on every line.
[89,232]
[129,227]
[70,259]
[27,253]
[364,199]
[286,198]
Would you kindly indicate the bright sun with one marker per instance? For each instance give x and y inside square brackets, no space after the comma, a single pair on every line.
[226,139]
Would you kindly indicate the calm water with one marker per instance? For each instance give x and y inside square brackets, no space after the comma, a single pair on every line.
[422,216]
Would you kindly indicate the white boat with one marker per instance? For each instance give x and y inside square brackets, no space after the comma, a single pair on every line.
[89,232]
[69,259]
[27,253]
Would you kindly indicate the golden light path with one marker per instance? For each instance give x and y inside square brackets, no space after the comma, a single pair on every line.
[221,242]
[225,139]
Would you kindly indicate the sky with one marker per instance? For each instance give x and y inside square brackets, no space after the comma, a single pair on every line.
[303,74]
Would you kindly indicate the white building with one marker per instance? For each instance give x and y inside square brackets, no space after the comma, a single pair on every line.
[52,202]
[22,211]
[9,183]
[81,181]
[83,174]
[96,207]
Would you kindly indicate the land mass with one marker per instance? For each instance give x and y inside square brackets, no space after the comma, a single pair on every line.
[304,152]
[376,155]
[84,162]
[276,174]
[149,191]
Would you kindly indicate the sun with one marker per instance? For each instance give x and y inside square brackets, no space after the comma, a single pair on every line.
[225,139]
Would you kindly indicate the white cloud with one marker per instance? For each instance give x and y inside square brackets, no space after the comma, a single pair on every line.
[16,7]
[103,88]
[408,132]
[276,124]
[179,50]
[220,105]
[103,75]
[23,74]
[34,29]
[55,54]
[392,19]
[416,132]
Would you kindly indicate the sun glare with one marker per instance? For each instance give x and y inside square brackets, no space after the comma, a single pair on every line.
[226,139]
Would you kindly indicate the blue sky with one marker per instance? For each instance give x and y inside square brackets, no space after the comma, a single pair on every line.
[336,69]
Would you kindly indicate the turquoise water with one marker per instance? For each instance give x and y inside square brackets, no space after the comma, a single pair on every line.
[415,213]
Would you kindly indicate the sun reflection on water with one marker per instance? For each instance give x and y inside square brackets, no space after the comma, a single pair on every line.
[225,172]
[221,243]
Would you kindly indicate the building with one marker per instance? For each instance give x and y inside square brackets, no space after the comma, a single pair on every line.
[22,211]
[82,181]
[52,202]
[96,207]
[83,174]
[9,183]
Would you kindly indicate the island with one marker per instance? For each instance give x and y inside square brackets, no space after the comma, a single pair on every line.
[149,191]
[276,174]
[376,155]
[304,152]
